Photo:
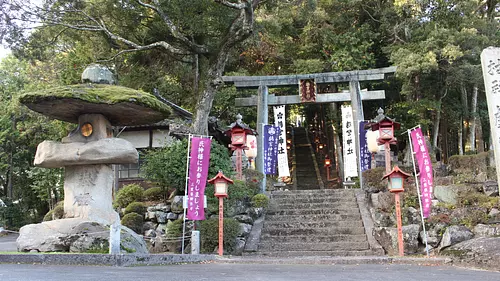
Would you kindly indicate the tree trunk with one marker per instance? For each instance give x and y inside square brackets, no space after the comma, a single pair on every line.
[479,136]
[465,117]
[435,132]
[472,132]
[460,138]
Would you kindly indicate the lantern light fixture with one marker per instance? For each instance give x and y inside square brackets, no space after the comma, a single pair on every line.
[396,178]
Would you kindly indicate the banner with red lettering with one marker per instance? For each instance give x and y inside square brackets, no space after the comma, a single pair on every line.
[198,172]
[425,168]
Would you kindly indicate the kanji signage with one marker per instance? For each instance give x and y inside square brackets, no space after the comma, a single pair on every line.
[271,138]
[198,171]
[280,121]
[490,61]
[425,167]
[349,143]
[364,153]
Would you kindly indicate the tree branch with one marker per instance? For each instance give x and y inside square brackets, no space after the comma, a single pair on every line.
[238,5]
[199,49]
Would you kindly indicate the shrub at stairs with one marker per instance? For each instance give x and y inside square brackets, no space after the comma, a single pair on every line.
[133,221]
[167,166]
[209,234]
[135,207]
[260,201]
[128,194]
[174,235]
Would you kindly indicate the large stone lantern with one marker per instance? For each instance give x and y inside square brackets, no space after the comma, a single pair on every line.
[88,152]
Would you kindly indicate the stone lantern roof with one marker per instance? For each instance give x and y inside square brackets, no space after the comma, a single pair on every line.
[120,105]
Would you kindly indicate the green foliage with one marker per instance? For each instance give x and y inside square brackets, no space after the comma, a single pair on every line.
[167,166]
[472,198]
[474,217]
[128,194]
[154,194]
[133,221]
[56,213]
[174,229]
[12,216]
[209,232]
[237,192]
[135,207]
[260,201]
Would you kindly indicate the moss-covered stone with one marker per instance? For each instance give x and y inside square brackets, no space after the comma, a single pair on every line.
[121,105]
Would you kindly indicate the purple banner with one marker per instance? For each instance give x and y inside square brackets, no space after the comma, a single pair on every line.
[364,154]
[198,172]
[271,137]
[425,168]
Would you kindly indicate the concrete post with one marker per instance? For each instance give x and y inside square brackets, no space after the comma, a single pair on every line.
[114,237]
[195,242]
[262,119]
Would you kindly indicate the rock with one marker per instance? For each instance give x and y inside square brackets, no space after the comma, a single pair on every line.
[382,200]
[481,177]
[483,230]
[455,234]
[172,216]
[161,228]
[483,252]
[150,233]
[177,205]
[158,245]
[382,219]
[163,207]
[151,215]
[237,209]
[51,154]
[490,188]
[161,217]
[244,219]
[433,238]
[447,194]
[75,235]
[239,247]
[411,216]
[494,212]
[148,225]
[410,238]
[244,229]
[388,238]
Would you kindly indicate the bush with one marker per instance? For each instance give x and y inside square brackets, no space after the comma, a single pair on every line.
[136,207]
[238,191]
[209,232]
[154,194]
[174,229]
[167,166]
[253,178]
[133,221]
[260,201]
[128,194]
[56,213]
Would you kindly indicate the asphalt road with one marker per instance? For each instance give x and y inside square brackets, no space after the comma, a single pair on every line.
[246,272]
[8,243]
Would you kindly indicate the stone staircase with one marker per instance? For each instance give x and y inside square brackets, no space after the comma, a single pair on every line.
[314,223]
[305,170]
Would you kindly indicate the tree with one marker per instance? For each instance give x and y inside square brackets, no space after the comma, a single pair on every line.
[199,33]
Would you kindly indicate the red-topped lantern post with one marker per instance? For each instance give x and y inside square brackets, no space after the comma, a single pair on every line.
[386,127]
[221,183]
[328,163]
[238,132]
[396,186]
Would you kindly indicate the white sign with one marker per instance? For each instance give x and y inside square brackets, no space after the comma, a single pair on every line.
[280,121]
[349,143]
[490,61]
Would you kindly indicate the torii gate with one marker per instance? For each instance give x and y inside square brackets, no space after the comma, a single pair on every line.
[263,100]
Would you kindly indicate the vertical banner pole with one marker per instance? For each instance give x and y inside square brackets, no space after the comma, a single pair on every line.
[184,200]
[418,192]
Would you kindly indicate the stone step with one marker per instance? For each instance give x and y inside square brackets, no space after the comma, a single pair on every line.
[329,211]
[311,253]
[312,224]
[321,205]
[320,200]
[314,239]
[331,246]
[323,231]
[312,197]
[340,217]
